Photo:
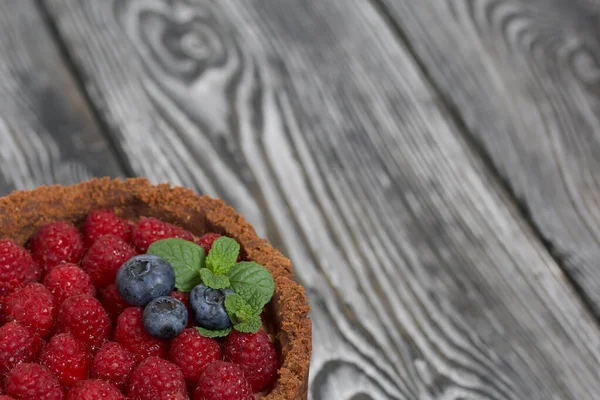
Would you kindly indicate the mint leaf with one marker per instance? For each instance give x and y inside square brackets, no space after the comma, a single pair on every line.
[250,326]
[214,281]
[186,258]
[212,334]
[237,308]
[253,283]
[222,255]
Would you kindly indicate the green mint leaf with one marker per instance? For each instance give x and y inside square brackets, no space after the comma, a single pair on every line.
[237,308]
[212,334]
[214,281]
[222,255]
[253,282]
[186,258]
[250,326]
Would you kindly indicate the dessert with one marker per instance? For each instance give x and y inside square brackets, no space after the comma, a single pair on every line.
[146,281]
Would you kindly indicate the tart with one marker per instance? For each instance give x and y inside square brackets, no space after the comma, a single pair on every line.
[285,317]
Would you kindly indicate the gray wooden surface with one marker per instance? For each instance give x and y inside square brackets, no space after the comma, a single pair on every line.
[525,79]
[411,157]
[47,133]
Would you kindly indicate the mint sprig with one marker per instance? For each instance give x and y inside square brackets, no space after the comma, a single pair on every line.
[237,308]
[222,255]
[253,283]
[214,281]
[185,257]
[252,325]
[213,333]
[241,314]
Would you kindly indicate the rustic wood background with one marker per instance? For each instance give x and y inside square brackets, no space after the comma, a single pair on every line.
[429,166]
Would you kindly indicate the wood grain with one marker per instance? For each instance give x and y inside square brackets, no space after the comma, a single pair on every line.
[47,134]
[525,78]
[315,122]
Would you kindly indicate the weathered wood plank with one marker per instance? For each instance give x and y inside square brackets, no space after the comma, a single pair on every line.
[310,118]
[47,134]
[524,76]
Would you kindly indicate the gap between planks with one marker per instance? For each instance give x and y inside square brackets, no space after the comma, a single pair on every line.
[79,81]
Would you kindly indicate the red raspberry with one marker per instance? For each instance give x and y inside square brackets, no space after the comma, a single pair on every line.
[256,356]
[5,397]
[66,280]
[56,242]
[154,377]
[113,363]
[105,222]
[94,389]
[182,297]
[192,352]
[207,240]
[112,301]
[185,299]
[33,382]
[31,306]
[17,345]
[67,358]
[149,230]
[169,396]
[131,334]
[104,259]
[17,268]
[223,381]
[84,317]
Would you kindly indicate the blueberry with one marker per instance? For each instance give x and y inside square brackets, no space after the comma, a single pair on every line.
[208,307]
[165,317]
[144,278]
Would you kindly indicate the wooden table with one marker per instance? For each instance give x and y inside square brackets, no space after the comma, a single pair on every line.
[431,166]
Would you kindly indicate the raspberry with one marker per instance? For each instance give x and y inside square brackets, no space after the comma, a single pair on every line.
[149,230]
[207,240]
[2,319]
[105,222]
[17,267]
[169,396]
[182,297]
[223,381]
[113,363]
[185,299]
[67,358]
[68,280]
[32,382]
[154,377]
[84,317]
[256,356]
[17,345]
[192,352]
[112,301]
[31,306]
[5,397]
[104,259]
[94,389]
[56,242]
[130,334]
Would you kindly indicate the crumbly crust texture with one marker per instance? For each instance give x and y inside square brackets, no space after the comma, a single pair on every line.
[22,212]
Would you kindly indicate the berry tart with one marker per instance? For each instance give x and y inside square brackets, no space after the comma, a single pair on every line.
[124,290]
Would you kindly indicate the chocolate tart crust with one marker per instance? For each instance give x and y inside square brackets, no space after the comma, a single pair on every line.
[22,212]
